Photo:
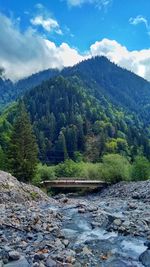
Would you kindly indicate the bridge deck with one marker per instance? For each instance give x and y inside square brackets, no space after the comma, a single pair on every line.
[65,183]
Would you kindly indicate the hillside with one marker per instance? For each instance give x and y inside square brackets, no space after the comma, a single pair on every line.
[89,110]
[102,77]
[123,88]
[11,91]
[70,122]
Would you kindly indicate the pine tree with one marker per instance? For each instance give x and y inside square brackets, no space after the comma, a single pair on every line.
[61,149]
[23,148]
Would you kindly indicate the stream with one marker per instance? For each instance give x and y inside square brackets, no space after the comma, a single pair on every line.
[96,244]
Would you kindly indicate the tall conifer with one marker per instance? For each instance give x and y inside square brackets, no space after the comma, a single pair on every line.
[23,147]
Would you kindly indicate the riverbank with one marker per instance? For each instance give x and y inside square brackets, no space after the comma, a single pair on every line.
[107,229]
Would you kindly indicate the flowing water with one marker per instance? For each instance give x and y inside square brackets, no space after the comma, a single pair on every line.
[100,247]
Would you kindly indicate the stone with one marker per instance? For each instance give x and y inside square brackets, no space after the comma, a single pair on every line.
[81,210]
[92,209]
[36,264]
[117,222]
[22,262]
[95,224]
[145,258]
[65,242]
[50,262]
[1,263]
[147,244]
[30,236]
[14,255]
[70,259]
[116,263]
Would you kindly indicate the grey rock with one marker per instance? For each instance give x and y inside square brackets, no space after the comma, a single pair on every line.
[11,190]
[50,262]
[22,262]
[147,244]
[36,264]
[81,210]
[65,242]
[95,224]
[117,222]
[1,263]
[14,255]
[145,258]
[116,263]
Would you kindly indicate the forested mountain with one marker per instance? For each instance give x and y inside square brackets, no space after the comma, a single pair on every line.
[120,86]
[104,78]
[70,122]
[6,92]
[84,111]
[10,91]
[123,88]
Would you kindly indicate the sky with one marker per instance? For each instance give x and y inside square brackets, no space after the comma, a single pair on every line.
[37,35]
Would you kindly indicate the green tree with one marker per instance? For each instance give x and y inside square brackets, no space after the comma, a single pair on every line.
[115,168]
[140,169]
[2,159]
[61,149]
[23,148]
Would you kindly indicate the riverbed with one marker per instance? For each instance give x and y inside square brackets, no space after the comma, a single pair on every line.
[69,230]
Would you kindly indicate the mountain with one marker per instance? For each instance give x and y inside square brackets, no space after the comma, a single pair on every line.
[103,78]
[68,121]
[10,91]
[6,92]
[122,87]
[85,111]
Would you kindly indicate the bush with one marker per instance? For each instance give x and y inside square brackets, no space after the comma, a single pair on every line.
[115,168]
[90,171]
[43,173]
[140,169]
[68,169]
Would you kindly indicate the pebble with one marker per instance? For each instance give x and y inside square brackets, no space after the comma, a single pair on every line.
[14,255]
[50,262]
[145,258]
[22,262]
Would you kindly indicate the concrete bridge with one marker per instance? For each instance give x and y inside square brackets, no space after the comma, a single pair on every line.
[73,183]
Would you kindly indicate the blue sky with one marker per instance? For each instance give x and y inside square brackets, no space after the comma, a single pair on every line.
[65,32]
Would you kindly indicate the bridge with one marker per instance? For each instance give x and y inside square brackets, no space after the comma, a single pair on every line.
[72,183]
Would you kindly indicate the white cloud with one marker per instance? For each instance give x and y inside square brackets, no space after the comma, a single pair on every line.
[138,20]
[98,3]
[48,24]
[136,61]
[39,6]
[24,53]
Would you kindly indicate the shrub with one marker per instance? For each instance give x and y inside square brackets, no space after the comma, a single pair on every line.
[43,173]
[68,169]
[140,169]
[115,168]
[90,171]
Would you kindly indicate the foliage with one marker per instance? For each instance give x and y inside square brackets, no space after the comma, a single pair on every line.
[67,119]
[43,172]
[115,168]
[92,109]
[68,169]
[23,149]
[140,169]
[2,159]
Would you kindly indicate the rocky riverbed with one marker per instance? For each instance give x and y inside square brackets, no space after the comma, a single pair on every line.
[107,229]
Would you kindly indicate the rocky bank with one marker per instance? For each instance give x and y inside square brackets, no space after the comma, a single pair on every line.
[107,229]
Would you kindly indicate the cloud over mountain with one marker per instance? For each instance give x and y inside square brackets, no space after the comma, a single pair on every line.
[24,53]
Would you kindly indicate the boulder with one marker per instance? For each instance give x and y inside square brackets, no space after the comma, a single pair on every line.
[145,258]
